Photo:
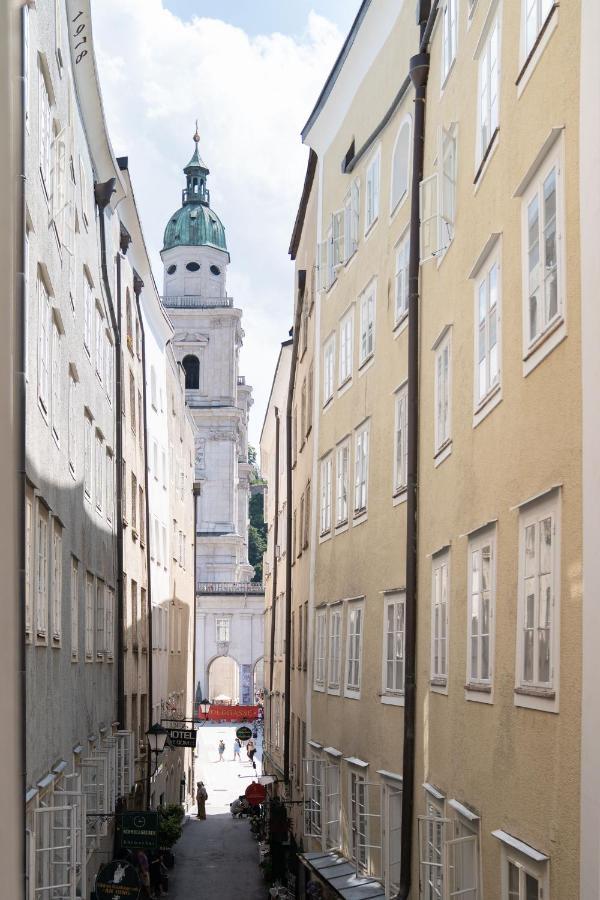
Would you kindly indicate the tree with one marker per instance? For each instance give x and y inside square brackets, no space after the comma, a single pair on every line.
[257,534]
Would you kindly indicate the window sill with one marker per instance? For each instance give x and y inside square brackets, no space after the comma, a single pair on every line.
[344,386]
[401,325]
[352,693]
[399,496]
[325,536]
[479,693]
[446,77]
[547,693]
[442,453]
[554,334]
[334,690]
[486,158]
[398,206]
[328,403]
[341,527]
[535,54]
[540,698]
[372,225]
[487,404]
[359,517]
[392,699]
[319,688]
[366,363]
[439,685]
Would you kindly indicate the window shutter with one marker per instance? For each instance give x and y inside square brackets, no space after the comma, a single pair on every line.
[368,844]
[430,220]
[313,794]
[461,868]
[55,851]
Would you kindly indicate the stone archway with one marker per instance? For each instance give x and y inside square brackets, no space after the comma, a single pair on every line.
[223,679]
[259,675]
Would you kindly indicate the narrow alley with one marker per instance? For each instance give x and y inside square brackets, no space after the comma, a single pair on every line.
[217,858]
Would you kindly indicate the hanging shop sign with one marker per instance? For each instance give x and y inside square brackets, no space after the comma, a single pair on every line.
[256,793]
[182,737]
[222,712]
[244,733]
[118,880]
[139,830]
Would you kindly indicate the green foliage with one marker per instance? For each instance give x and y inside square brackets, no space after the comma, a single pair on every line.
[257,535]
[170,825]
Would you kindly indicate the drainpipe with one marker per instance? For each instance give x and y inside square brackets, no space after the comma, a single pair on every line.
[102,193]
[196,493]
[274,588]
[419,71]
[288,555]
[138,284]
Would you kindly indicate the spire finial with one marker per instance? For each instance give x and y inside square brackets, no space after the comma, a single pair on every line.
[196,135]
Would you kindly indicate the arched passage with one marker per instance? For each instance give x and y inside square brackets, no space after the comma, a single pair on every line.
[223,680]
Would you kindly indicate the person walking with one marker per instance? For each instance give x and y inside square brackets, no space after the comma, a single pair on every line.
[201,798]
[143,867]
[250,751]
[236,749]
[221,749]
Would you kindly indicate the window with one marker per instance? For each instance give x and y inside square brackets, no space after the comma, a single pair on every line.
[432,831]
[140,420]
[401,439]
[153,387]
[487,336]
[328,368]
[367,325]
[337,239]
[73,420]
[191,367]
[313,796]
[346,346]
[521,884]
[326,466]
[439,620]
[56,581]
[307,514]
[87,457]
[333,810]
[29,560]
[341,483]
[56,378]
[351,217]
[402,257]
[74,609]
[142,503]
[536,13]
[135,616]
[132,409]
[448,192]
[88,307]
[99,343]
[89,615]
[83,182]
[361,469]
[489,81]
[320,648]
[99,485]
[481,599]
[223,630]
[449,36]
[538,600]
[400,165]
[335,647]
[303,413]
[305,642]
[110,618]
[372,192]
[309,398]
[542,253]
[358,820]
[129,321]
[45,132]
[109,366]
[443,363]
[110,486]
[100,620]
[134,502]
[192,267]
[393,680]
[45,330]
[41,585]
[354,649]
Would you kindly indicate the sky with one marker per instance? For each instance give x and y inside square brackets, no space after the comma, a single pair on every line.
[250,71]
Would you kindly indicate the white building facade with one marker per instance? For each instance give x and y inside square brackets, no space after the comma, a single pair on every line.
[207,340]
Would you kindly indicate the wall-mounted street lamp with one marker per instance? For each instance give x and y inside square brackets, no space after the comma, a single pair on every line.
[204,708]
[157,738]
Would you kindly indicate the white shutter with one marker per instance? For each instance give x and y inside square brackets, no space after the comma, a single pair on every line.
[125,762]
[430,219]
[95,787]
[72,793]
[432,841]
[333,808]
[323,273]
[313,793]
[338,237]
[54,875]
[369,844]
[393,835]
[461,868]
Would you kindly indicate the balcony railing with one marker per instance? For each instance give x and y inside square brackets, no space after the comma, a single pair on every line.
[191,302]
[229,587]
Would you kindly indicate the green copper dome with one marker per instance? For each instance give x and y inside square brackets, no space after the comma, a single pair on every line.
[195,224]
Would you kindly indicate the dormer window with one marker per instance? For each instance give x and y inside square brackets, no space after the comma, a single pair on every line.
[171,270]
[192,267]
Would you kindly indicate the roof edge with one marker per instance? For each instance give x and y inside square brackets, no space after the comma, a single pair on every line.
[301,214]
[337,68]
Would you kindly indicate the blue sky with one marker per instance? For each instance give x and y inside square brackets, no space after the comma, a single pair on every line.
[267,16]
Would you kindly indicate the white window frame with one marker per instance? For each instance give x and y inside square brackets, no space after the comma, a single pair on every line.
[338,238]
[88,313]
[99,471]
[328,369]
[392,826]
[346,354]
[30,560]
[57,583]
[401,285]
[372,190]
[326,479]
[332,806]
[74,594]
[90,610]
[42,571]
[73,421]
[351,219]
[537,693]
[109,628]
[342,483]
[553,327]
[542,10]
[488,291]
[100,619]
[448,194]
[443,391]
[354,649]
[488,93]
[334,655]
[46,134]
[400,440]
[320,668]
[361,469]
[440,620]
[479,685]
[527,861]
[223,629]
[368,301]
[358,823]
[433,828]
[314,768]
[449,24]
[100,330]
[56,375]
[400,173]
[44,345]
[393,648]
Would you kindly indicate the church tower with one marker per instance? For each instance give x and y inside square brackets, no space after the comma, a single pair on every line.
[207,340]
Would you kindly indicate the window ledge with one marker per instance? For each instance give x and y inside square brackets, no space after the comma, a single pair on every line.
[365,362]
[438,681]
[442,453]
[531,691]
[400,325]
[537,50]
[359,516]
[334,690]
[344,385]
[341,526]
[487,156]
[328,403]
[478,688]
[544,345]
[398,205]
[393,699]
[371,226]
[352,693]
[485,406]
[447,75]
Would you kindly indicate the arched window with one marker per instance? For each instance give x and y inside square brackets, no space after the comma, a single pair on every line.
[400,164]
[191,367]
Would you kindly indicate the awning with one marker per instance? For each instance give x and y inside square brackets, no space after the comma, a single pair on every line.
[340,874]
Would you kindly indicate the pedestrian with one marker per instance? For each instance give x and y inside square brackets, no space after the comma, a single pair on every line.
[201,798]
[250,751]
[236,749]
[221,750]
[143,868]
[156,873]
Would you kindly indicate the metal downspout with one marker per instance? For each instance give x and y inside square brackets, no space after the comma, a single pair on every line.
[288,531]
[274,588]
[102,194]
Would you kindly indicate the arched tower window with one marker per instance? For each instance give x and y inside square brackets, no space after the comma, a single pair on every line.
[191,367]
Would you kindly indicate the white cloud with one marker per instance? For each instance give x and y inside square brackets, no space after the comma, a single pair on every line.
[251,96]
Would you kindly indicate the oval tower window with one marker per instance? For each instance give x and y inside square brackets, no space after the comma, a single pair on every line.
[171,270]
[215,270]
[192,267]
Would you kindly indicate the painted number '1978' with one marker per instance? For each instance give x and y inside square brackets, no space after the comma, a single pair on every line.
[80,37]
